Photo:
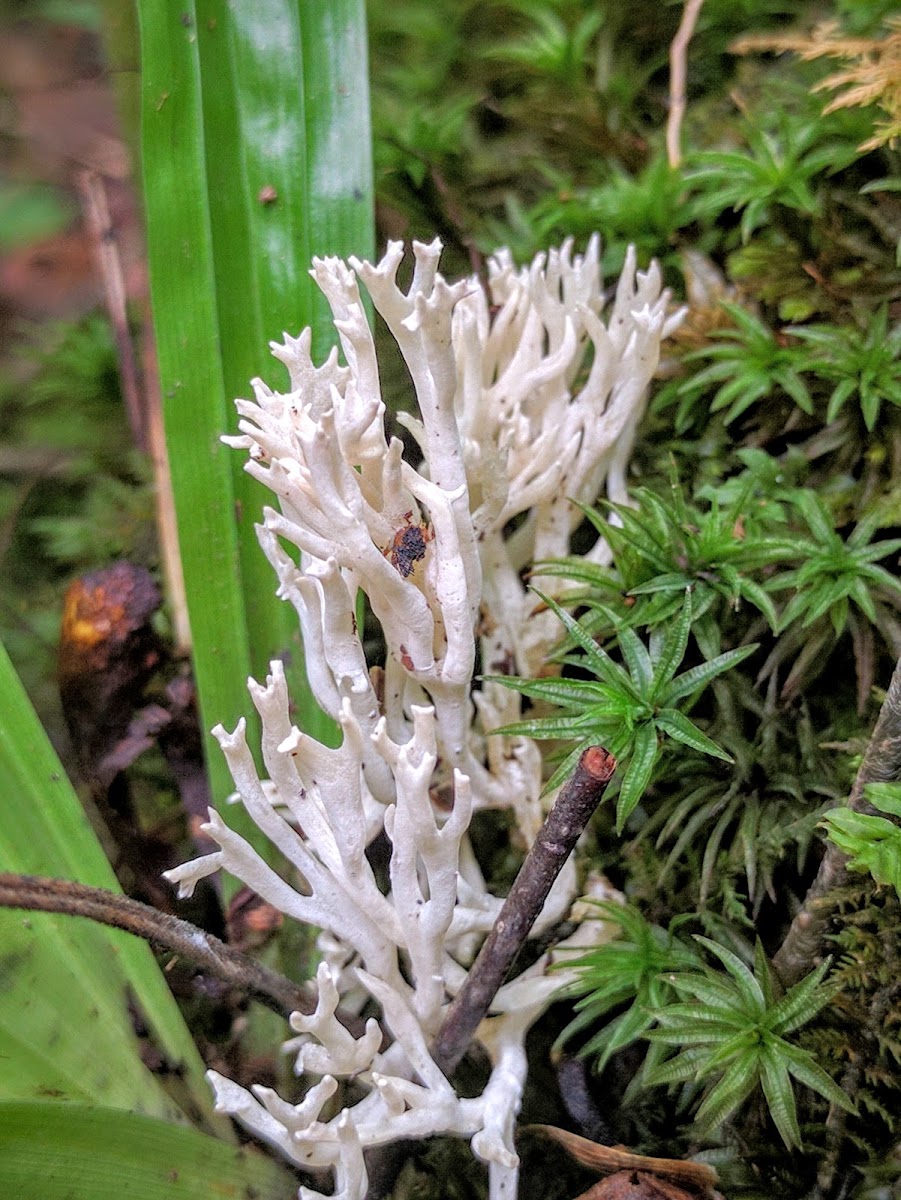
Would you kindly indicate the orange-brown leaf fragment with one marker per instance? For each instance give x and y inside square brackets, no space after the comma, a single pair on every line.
[618,1161]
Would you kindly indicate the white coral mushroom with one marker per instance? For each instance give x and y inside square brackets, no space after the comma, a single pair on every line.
[512,427]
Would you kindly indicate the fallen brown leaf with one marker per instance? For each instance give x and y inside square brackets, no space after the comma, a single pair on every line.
[625,1167]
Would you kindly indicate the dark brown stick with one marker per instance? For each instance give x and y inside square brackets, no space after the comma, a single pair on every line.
[803,945]
[556,840]
[204,951]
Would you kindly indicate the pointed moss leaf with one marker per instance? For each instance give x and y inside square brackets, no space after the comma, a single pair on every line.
[638,774]
[621,1032]
[764,976]
[698,677]
[598,659]
[748,987]
[732,1090]
[674,581]
[543,728]
[678,726]
[802,1065]
[713,991]
[673,649]
[679,1069]
[749,590]
[563,772]
[689,1032]
[637,658]
[780,1098]
[802,1002]
[573,693]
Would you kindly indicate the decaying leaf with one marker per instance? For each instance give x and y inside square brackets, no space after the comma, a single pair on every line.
[633,1175]
[636,1185]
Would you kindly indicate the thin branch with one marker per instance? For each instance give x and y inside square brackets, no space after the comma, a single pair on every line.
[140,390]
[167,526]
[109,265]
[556,840]
[678,75]
[802,948]
[204,951]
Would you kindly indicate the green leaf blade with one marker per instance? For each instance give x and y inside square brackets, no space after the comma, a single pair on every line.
[55,1151]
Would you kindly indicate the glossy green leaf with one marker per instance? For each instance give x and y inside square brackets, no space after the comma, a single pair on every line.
[872,843]
[698,677]
[66,1027]
[678,726]
[780,1098]
[732,1090]
[672,651]
[53,1151]
[805,1069]
[256,155]
[638,773]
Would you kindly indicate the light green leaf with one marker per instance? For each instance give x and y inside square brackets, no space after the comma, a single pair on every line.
[802,1002]
[638,773]
[713,990]
[885,796]
[872,843]
[679,1069]
[599,660]
[678,726]
[805,1069]
[65,1024]
[673,649]
[748,987]
[697,677]
[780,1098]
[637,658]
[55,1151]
[256,154]
[732,1090]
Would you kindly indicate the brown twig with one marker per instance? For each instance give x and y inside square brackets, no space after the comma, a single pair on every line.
[140,390]
[167,525]
[803,944]
[92,190]
[678,74]
[204,951]
[556,840]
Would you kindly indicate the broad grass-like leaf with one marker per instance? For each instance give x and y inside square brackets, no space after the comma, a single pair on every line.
[65,1021]
[256,155]
[54,1151]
